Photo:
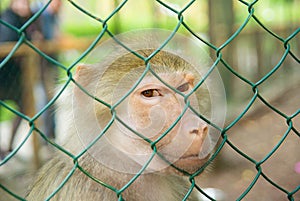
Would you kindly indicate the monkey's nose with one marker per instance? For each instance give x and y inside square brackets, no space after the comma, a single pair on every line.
[202,130]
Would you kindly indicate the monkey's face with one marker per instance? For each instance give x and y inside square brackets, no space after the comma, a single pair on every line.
[144,120]
[161,114]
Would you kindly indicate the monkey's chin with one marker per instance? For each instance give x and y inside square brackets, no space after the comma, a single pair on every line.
[188,164]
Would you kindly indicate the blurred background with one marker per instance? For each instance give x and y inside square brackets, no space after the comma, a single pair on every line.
[65,29]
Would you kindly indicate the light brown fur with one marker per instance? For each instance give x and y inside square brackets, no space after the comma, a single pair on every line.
[165,185]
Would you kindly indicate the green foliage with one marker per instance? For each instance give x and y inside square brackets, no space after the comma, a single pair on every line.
[6,115]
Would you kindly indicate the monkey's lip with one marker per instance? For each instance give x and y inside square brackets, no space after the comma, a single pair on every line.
[190,157]
[194,157]
[191,161]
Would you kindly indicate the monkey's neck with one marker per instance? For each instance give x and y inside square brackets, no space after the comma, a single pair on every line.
[149,186]
[152,186]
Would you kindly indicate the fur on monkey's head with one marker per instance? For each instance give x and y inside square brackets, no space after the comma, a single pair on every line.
[111,80]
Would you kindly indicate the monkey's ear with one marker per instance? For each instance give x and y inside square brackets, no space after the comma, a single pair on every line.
[84,76]
[81,73]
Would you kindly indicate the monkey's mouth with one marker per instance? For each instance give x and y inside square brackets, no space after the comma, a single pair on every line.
[191,163]
[193,157]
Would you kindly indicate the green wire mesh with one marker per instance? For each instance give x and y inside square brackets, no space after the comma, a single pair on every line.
[249,6]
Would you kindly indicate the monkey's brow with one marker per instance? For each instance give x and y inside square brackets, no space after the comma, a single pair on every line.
[178,77]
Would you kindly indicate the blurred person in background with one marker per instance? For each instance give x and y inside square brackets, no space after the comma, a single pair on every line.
[49,20]
[16,15]
[48,28]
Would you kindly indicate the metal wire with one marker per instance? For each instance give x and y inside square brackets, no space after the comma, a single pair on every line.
[250,7]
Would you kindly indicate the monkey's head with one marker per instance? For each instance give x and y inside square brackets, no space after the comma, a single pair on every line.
[145,111]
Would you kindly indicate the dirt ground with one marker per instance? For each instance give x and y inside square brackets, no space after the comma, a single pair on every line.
[256,135]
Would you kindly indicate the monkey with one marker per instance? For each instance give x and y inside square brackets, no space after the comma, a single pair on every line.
[136,130]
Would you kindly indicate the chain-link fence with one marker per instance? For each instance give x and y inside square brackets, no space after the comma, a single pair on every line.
[27,110]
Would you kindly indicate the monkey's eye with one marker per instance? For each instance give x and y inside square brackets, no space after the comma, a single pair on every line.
[184,87]
[150,93]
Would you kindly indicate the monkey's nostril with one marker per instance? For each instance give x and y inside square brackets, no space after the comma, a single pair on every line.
[194,131]
[202,130]
[205,130]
